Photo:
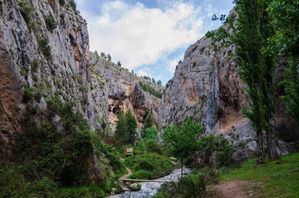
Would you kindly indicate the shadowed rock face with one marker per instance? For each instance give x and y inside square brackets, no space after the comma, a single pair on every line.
[9,103]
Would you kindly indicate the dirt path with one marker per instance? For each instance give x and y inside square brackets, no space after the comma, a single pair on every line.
[121,183]
[235,189]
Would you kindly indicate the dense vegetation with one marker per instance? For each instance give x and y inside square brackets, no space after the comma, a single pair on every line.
[150,90]
[50,161]
[265,35]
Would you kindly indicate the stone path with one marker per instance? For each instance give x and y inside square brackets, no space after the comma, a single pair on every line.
[121,183]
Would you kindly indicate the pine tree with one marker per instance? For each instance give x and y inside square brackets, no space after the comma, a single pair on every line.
[148,121]
[121,129]
[131,127]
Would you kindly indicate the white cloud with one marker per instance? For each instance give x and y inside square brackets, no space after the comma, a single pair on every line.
[137,35]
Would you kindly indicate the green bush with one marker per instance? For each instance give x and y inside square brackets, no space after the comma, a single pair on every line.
[150,90]
[26,10]
[73,5]
[141,174]
[13,183]
[44,188]
[50,22]
[214,151]
[168,190]
[151,133]
[30,93]
[62,2]
[211,175]
[43,44]
[148,146]
[157,165]
[111,154]
[192,185]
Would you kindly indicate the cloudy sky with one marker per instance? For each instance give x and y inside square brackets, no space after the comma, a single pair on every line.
[149,36]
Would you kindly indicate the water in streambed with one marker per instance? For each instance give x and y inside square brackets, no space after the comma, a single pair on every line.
[149,189]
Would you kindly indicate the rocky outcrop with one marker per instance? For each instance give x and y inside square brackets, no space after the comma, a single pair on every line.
[116,89]
[43,47]
[206,86]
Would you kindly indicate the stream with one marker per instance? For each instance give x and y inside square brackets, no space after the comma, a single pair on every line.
[149,189]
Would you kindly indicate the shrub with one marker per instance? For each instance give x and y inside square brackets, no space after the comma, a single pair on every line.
[211,175]
[141,174]
[214,151]
[62,2]
[150,90]
[50,22]
[30,93]
[26,10]
[168,190]
[44,188]
[113,156]
[73,5]
[13,183]
[150,133]
[192,185]
[43,44]
[157,165]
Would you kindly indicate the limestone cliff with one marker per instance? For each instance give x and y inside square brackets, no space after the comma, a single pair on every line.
[115,89]
[43,46]
[207,87]
[44,51]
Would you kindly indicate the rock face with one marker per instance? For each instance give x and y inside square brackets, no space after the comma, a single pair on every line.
[115,89]
[207,87]
[43,45]
[44,51]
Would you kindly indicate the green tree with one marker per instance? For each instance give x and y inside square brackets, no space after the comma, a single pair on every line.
[285,43]
[131,126]
[109,57]
[126,128]
[181,139]
[150,133]
[248,39]
[148,120]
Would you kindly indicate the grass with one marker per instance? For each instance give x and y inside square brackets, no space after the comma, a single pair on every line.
[278,178]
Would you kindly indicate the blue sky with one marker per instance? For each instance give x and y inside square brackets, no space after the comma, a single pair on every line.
[149,36]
